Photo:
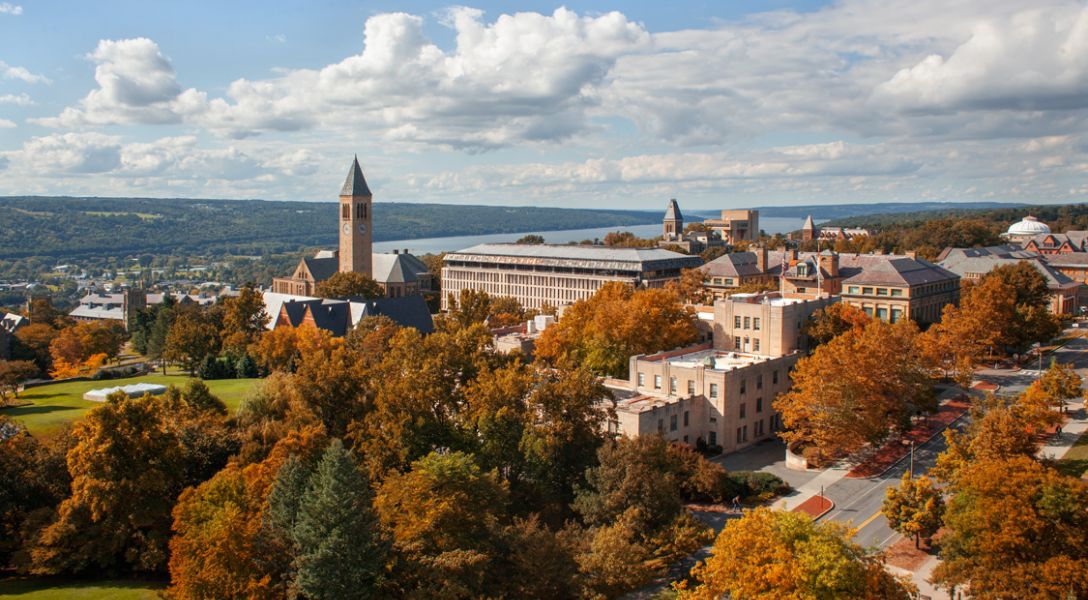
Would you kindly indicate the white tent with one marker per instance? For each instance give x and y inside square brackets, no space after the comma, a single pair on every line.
[135,390]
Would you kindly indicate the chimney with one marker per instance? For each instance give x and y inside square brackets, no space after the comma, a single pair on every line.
[405,251]
[396,251]
[761,258]
[911,254]
[793,255]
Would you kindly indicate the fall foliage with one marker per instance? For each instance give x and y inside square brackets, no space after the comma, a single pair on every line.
[602,332]
[349,285]
[1016,529]
[857,389]
[770,554]
[915,508]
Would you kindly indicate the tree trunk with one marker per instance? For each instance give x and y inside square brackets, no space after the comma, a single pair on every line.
[917,539]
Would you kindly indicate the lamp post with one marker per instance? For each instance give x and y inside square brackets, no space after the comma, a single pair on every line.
[911,443]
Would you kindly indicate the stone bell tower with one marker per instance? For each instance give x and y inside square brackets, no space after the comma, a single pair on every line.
[355,223]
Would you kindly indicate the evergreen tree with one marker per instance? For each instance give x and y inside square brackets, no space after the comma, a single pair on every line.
[245,368]
[339,550]
[198,396]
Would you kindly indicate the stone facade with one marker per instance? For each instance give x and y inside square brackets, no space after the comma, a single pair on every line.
[698,393]
[764,324]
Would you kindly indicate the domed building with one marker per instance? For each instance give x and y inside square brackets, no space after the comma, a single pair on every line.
[1026,229]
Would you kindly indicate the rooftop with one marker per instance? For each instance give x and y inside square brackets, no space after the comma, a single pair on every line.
[604,257]
[716,360]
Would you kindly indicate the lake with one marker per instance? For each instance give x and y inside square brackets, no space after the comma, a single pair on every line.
[771,225]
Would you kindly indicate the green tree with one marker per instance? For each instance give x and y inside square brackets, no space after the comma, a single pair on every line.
[638,473]
[198,397]
[340,549]
[914,508]
[12,374]
[349,285]
[531,239]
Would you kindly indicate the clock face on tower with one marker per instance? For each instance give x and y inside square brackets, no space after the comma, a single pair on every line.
[362,228]
[347,228]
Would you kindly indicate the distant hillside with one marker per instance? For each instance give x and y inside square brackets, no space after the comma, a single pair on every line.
[70,228]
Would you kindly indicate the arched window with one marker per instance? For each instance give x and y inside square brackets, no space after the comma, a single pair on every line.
[360,210]
[345,211]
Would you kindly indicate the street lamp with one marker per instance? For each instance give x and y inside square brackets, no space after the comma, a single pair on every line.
[911,443]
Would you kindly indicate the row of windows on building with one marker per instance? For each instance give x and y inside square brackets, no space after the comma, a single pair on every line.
[746,323]
[748,344]
[856,290]
[713,386]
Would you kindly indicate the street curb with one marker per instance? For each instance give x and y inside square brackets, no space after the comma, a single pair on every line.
[816,517]
[905,456]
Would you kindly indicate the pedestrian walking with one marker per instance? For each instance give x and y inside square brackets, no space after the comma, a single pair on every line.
[736,503]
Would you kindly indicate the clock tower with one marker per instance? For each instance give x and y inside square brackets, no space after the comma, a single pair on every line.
[355,221]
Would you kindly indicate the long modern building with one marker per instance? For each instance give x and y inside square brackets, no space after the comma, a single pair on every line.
[545,274]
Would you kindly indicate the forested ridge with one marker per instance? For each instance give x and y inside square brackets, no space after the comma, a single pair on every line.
[77,227]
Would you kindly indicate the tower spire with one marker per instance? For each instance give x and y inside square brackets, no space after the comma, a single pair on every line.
[355,184]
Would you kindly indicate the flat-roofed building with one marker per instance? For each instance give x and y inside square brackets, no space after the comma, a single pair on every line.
[546,274]
[766,324]
[699,393]
[736,225]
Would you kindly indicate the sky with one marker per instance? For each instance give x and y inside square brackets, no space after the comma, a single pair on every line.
[719,104]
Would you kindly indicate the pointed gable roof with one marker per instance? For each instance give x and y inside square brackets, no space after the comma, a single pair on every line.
[809,224]
[672,213]
[355,184]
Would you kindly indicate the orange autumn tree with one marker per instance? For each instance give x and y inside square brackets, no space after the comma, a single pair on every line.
[602,332]
[855,390]
[1016,529]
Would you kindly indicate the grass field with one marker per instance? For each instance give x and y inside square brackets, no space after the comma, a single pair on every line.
[52,406]
[37,588]
[1075,462]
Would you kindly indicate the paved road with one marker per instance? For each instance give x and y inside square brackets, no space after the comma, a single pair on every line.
[858,501]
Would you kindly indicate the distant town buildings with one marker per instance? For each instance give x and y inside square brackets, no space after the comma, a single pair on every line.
[398,273]
[122,306]
[546,274]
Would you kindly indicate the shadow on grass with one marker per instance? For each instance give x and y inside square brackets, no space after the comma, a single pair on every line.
[1072,467]
[56,587]
[22,411]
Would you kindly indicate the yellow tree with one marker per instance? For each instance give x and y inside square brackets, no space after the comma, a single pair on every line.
[190,340]
[766,555]
[349,285]
[914,508]
[856,390]
[244,320]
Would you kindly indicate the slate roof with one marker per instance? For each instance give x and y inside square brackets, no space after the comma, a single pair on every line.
[322,268]
[743,264]
[1077,239]
[980,263]
[809,224]
[672,213]
[890,269]
[398,268]
[10,321]
[406,311]
[339,316]
[355,184]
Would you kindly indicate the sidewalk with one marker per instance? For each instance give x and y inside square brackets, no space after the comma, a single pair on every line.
[1057,445]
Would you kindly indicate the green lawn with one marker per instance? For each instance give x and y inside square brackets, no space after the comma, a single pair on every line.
[48,588]
[1075,462]
[55,405]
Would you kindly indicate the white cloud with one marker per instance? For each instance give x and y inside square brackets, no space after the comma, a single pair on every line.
[526,76]
[21,73]
[278,38]
[16,99]
[7,8]
[1036,60]
[6,124]
[72,153]
[136,84]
